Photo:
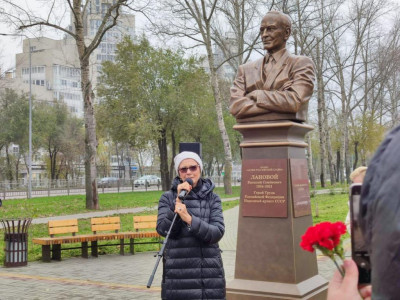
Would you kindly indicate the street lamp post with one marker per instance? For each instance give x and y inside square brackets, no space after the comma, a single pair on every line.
[30,122]
[30,112]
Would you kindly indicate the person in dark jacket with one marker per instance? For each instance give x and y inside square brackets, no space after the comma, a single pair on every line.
[380,217]
[380,223]
[192,263]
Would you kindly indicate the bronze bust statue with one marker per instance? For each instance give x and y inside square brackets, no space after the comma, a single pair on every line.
[277,86]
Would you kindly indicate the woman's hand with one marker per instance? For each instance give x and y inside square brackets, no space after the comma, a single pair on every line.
[181,210]
[184,186]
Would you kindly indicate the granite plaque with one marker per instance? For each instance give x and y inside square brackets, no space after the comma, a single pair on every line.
[300,187]
[264,188]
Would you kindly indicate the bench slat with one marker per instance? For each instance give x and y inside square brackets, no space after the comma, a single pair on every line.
[105,220]
[145,225]
[62,226]
[144,218]
[97,237]
[59,230]
[105,224]
[106,227]
[63,223]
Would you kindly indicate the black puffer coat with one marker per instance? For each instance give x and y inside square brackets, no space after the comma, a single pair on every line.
[380,217]
[192,264]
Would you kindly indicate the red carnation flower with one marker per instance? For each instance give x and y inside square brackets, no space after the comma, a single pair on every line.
[326,237]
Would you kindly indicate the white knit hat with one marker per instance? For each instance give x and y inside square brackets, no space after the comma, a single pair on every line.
[185,155]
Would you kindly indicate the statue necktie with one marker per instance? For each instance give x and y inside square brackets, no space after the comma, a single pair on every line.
[268,66]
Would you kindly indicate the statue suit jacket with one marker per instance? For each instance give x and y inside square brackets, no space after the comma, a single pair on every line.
[284,95]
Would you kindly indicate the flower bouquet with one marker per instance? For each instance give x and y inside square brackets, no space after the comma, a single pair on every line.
[326,237]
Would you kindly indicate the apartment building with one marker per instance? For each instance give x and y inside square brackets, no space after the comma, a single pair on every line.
[55,68]
[55,64]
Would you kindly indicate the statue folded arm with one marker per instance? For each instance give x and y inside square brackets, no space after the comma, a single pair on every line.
[293,86]
[241,105]
[296,91]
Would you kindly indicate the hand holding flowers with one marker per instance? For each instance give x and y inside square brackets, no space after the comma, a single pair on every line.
[326,237]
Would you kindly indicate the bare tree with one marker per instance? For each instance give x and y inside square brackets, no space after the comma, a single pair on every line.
[310,19]
[23,18]
[227,26]
[236,33]
[347,67]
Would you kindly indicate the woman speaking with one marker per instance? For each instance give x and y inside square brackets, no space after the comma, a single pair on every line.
[192,263]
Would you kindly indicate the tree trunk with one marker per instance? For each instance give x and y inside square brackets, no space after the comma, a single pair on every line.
[347,154]
[162,147]
[310,164]
[92,200]
[118,162]
[17,169]
[342,165]
[355,155]
[220,121]
[338,166]
[53,162]
[321,121]
[61,165]
[9,174]
[209,168]
[173,146]
[331,164]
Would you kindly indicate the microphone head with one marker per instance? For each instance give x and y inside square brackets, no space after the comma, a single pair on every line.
[190,181]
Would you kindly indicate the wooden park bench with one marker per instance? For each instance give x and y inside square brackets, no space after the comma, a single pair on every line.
[103,229]
[51,246]
[145,227]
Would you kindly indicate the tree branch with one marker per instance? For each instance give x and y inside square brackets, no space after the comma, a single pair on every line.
[22,27]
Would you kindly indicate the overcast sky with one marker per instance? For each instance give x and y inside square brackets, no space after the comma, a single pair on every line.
[9,45]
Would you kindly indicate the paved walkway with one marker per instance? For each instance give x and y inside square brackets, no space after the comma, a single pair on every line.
[108,276]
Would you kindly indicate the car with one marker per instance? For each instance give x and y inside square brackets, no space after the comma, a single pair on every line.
[148,180]
[108,182]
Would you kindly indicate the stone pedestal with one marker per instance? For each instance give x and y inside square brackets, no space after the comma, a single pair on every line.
[274,213]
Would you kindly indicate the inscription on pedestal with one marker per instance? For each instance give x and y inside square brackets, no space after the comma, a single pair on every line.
[264,188]
[300,187]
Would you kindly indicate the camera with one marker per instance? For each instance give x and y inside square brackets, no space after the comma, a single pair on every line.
[359,251]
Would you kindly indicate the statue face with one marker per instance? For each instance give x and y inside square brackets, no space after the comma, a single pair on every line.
[274,33]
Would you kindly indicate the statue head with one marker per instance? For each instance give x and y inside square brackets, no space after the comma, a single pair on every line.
[275,30]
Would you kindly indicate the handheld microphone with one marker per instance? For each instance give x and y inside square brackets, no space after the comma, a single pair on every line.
[183,193]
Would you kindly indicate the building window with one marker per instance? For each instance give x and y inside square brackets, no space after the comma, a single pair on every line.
[38,82]
[35,70]
[94,26]
[105,7]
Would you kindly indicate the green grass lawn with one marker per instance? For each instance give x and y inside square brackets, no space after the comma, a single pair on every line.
[328,186]
[331,208]
[68,205]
